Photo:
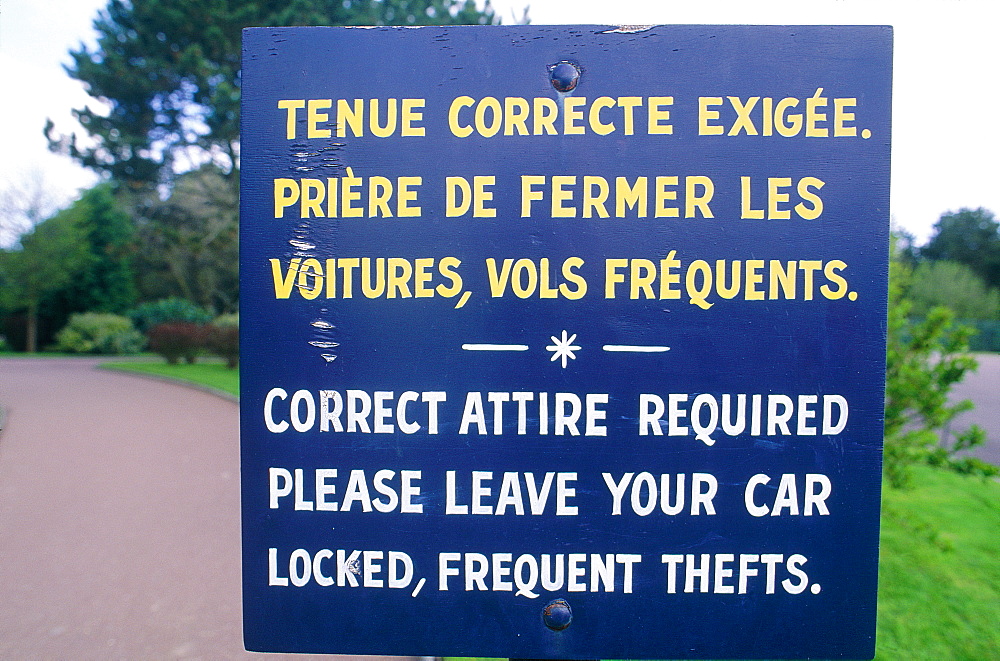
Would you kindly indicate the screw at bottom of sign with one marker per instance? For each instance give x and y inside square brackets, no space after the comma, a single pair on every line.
[557,615]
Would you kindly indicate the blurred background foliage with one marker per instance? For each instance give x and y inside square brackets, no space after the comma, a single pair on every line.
[163,132]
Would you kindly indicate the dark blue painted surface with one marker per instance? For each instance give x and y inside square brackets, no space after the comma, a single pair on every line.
[791,347]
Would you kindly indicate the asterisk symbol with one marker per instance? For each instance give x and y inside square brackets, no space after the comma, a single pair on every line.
[563,348]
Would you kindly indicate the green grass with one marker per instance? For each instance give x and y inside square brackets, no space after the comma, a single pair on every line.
[939,575]
[939,572]
[214,375]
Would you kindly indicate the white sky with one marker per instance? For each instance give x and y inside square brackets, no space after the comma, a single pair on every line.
[946,84]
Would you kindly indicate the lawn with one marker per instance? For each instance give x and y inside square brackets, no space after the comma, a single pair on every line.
[939,575]
[214,375]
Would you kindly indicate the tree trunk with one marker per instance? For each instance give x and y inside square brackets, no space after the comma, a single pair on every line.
[31,332]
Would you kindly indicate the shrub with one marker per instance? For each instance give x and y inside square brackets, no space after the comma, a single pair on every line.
[923,361]
[177,339]
[148,315]
[93,332]
[227,320]
[224,339]
[955,286]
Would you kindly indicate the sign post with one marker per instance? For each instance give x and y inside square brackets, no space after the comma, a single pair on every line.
[563,342]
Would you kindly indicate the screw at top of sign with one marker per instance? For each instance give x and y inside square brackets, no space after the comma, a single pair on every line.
[564,76]
[557,615]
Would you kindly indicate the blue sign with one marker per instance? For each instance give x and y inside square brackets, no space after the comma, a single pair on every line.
[564,342]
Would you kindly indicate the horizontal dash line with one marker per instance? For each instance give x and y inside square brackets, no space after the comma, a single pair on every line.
[495,347]
[633,348]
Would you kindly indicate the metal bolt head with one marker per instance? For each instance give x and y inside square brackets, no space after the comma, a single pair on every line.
[557,615]
[564,76]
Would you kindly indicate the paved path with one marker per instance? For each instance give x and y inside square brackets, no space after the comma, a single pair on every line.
[983,388]
[119,517]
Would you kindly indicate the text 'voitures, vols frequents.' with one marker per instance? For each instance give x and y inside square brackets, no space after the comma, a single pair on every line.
[698,281]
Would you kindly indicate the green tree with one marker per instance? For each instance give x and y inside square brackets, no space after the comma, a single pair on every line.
[970,237]
[78,260]
[954,286]
[49,256]
[168,70]
[905,245]
[188,244]
[167,75]
[106,280]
